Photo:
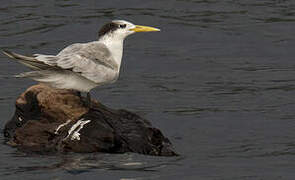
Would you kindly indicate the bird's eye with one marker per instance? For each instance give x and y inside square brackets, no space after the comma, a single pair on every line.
[122,25]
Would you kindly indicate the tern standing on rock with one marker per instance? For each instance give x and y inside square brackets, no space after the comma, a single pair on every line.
[83,66]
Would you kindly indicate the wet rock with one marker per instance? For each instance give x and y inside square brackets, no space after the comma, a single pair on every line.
[52,120]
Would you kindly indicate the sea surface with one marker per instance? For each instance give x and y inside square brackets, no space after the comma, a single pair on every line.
[218,80]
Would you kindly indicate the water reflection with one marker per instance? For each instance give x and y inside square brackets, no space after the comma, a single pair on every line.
[81,163]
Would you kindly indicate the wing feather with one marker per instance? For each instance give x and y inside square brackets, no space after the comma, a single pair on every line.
[92,60]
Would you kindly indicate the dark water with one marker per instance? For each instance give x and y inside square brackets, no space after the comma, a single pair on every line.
[218,80]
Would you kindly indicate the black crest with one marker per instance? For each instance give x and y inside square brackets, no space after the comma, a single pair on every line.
[109,27]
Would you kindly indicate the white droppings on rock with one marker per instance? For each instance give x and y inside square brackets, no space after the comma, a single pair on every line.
[62,125]
[74,131]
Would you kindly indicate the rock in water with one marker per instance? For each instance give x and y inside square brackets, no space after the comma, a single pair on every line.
[53,120]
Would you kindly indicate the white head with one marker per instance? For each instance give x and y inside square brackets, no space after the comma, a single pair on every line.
[120,29]
[113,34]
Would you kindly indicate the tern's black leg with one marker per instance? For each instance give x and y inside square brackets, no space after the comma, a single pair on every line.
[88,100]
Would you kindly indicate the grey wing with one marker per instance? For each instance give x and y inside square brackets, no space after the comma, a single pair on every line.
[52,60]
[71,49]
[92,61]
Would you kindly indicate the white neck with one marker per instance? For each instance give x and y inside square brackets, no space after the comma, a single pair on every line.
[115,45]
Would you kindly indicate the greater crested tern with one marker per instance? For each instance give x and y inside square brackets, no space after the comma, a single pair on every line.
[82,66]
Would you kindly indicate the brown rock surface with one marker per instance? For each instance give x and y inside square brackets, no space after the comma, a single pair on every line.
[52,120]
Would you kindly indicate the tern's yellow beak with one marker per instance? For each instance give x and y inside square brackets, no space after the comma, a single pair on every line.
[139,28]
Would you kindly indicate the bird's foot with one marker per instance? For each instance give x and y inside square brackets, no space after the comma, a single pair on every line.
[85,101]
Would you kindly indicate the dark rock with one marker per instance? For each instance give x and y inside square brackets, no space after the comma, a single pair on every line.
[52,120]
